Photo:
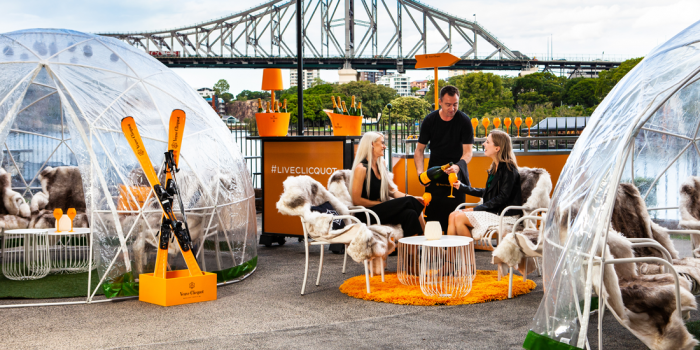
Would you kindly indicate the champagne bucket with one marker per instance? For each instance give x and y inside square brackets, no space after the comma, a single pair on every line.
[345,125]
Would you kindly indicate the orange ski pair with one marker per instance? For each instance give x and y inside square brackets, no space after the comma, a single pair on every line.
[165,195]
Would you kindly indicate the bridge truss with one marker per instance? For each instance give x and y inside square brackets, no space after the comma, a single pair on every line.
[358,34]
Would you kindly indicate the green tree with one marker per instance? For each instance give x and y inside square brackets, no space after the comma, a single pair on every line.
[221,87]
[246,95]
[582,93]
[430,96]
[608,79]
[227,96]
[481,93]
[538,88]
[405,109]
[374,97]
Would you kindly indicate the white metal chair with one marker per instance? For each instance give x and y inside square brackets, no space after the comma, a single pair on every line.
[526,246]
[308,241]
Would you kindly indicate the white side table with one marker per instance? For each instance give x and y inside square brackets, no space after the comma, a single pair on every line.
[408,265]
[447,267]
[25,254]
[70,251]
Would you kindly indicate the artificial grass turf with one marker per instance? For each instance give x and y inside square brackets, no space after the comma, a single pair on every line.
[51,286]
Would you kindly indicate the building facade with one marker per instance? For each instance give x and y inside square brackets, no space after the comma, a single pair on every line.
[420,84]
[205,92]
[398,82]
[308,77]
[372,76]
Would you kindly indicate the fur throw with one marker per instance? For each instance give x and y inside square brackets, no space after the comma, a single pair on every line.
[690,209]
[630,217]
[535,185]
[62,187]
[510,252]
[302,192]
[645,304]
[14,211]
[339,184]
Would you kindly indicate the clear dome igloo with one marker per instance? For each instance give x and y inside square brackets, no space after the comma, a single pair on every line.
[646,132]
[62,97]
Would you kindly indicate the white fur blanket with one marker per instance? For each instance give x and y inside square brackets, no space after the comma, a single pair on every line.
[363,242]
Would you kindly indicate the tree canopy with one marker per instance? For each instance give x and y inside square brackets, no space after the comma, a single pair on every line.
[405,109]
[221,87]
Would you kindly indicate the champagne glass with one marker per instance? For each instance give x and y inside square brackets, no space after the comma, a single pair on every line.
[485,122]
[507,122]
[427,197]
[496,122]
[453,179]
[528,122]
[518,122]
[71,214]
[475,123]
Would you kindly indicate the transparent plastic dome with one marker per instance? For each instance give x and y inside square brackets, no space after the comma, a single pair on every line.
[645,132]
[63,95]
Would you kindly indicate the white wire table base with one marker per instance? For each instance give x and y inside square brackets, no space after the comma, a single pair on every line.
[70,251]
[25,254]
[408,262]
[447,267]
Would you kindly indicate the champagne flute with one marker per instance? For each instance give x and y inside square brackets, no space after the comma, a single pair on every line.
[518,122]
[507,122]
[427,197]
[528,122]
[475,124]
[496,122]
[453,179]
[485,122]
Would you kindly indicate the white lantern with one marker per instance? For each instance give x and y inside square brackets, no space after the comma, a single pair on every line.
[433,230]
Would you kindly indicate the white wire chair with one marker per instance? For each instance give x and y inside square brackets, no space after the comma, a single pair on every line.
[308,241]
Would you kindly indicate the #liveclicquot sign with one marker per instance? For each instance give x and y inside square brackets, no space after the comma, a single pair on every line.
[317,159]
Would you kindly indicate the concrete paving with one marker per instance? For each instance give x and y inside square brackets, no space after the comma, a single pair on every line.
[265,311]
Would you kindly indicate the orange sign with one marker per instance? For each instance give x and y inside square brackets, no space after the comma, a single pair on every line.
[435,60]
[318,159]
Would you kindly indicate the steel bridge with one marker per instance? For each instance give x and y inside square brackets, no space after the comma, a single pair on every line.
[262,37]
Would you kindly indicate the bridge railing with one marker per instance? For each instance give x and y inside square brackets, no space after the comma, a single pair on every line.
[557,136]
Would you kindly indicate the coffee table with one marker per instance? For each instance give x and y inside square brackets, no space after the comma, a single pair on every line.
[70,251]
[25,254]
[446,267]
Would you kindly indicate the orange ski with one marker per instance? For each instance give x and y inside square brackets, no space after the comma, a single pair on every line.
[175,132]
[170,224]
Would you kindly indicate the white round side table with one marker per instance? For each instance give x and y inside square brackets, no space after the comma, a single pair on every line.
[447,267]
[70,251]
[25,254]
[408,266]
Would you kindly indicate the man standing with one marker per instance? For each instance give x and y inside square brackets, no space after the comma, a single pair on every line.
[451,137]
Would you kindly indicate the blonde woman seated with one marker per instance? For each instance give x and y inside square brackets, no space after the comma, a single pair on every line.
[502,190]
[372,187]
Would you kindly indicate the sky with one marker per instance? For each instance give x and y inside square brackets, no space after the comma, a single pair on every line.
[617,28]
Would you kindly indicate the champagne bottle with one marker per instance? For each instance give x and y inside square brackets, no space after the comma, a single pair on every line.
[267,107]
[359,109]
[260,106]
[345,110]
[340,106]
[353,107]
[433,173]
[285,106]
[335,105]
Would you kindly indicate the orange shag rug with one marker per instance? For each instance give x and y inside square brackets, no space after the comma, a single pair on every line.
[485,287]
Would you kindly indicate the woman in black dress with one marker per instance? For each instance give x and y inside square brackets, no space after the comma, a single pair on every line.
[373,188]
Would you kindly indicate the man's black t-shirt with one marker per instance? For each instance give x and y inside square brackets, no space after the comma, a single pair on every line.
[446,138]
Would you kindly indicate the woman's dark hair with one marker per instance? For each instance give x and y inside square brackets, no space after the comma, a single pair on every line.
[449,90]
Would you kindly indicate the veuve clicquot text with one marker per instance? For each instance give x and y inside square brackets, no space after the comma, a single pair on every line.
[433,173]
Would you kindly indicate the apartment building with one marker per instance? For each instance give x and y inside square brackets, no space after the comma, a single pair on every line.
[398,82]
[308,77]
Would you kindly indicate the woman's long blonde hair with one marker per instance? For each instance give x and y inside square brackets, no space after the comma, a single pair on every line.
[505,154]
[364,152]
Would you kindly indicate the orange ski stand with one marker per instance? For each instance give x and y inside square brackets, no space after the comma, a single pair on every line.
[167,288]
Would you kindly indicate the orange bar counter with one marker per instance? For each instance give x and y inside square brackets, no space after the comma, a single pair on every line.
[552,161]
[315,156]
